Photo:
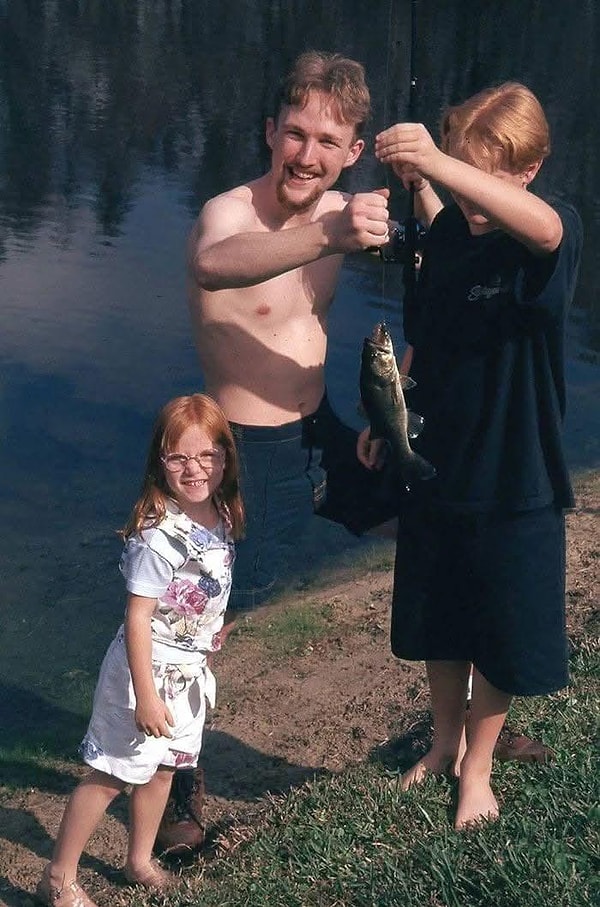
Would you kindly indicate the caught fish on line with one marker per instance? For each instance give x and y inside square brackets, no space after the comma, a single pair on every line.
[382,397]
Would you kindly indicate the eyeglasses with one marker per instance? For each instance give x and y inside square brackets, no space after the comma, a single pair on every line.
[208,460]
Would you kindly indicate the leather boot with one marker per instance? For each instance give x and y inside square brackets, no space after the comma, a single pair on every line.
[181,831]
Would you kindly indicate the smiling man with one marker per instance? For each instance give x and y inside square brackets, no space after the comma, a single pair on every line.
[264,260]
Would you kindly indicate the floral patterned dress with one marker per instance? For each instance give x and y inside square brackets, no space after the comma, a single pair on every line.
[187,569]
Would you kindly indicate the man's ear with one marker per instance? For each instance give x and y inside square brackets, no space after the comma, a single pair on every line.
[354,153]
[530,173]
[270,129]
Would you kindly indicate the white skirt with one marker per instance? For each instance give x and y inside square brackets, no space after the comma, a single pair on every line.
[114,745]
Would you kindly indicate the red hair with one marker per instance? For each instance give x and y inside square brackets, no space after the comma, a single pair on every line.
[174,418]
[498,128]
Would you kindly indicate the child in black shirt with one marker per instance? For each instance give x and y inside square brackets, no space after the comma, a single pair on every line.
[480,564]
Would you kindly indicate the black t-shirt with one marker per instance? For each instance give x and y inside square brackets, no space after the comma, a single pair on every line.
[487,328]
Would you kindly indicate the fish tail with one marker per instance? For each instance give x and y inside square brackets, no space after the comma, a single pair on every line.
[417,469]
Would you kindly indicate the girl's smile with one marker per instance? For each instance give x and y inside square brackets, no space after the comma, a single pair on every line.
[194,471]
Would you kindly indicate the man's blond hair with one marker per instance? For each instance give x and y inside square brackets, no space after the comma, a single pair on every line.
[331,74]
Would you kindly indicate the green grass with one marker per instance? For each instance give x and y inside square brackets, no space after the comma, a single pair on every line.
[291,630]
[357,840]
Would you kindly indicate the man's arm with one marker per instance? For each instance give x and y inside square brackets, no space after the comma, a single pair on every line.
[227,251]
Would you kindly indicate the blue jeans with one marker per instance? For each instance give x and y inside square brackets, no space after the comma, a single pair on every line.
[288,473]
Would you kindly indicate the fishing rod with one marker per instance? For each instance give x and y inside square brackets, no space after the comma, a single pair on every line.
[407,237]
[411,225]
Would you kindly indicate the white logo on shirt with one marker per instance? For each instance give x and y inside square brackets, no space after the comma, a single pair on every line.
[481,292]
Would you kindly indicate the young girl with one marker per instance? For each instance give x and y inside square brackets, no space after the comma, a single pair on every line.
[149,704]
[480,563]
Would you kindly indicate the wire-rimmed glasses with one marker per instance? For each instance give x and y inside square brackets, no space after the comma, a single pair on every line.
[208,460]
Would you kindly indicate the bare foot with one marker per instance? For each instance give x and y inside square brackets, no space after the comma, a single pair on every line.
[476,803]
[430,764]
[151,875]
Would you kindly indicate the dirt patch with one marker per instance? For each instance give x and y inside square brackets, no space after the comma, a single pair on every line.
[284,714]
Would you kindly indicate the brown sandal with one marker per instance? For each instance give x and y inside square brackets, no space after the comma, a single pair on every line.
[519,748]
[69,894]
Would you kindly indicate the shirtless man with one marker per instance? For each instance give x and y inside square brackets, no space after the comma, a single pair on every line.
[264,260]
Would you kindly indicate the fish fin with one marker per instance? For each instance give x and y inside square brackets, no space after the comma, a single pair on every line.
[406,382]
[415,424]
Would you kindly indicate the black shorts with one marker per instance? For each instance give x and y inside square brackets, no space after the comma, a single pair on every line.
[484,588]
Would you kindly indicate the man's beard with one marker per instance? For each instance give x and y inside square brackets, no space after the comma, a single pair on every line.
[303,204]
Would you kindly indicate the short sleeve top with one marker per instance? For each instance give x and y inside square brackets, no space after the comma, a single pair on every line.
[187,568]
[487,328]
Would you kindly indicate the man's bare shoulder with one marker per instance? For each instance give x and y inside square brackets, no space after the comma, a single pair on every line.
[230,212]
[239,200]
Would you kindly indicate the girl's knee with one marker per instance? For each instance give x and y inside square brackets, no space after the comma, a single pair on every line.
[162,778]
[110,783]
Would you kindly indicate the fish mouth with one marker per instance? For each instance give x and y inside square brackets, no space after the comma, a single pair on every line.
[380,336]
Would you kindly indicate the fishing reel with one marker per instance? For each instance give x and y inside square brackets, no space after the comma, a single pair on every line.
[401,243]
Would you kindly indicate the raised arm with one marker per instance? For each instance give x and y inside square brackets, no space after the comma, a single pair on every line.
[230,247]
[499,197]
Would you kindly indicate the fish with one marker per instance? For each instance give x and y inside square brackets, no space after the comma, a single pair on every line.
[382,396]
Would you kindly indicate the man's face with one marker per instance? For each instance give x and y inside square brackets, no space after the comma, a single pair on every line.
[310,148]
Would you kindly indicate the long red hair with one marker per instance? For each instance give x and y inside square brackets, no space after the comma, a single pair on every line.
[174,418]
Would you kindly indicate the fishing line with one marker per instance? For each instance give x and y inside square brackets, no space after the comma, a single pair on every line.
[411,226]
[388,66]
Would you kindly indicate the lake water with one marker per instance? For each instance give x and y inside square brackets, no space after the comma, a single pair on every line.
[118,121]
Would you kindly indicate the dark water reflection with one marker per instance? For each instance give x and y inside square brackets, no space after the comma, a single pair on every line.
[118,120]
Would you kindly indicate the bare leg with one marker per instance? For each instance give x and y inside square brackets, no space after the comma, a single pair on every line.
[448,688]
[88,803]
[146,807]
[476,800]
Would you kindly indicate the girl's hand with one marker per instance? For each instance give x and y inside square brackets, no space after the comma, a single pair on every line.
[153,717]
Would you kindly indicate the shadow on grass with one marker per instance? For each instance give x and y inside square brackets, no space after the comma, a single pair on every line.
[38,757]
[30,723]
[12,895]
[235,771]
[399,753]
[244,776]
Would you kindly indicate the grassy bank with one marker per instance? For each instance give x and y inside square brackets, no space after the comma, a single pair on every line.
[345,836]
[357,840]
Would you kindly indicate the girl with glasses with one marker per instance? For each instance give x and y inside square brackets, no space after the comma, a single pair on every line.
[150,700]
